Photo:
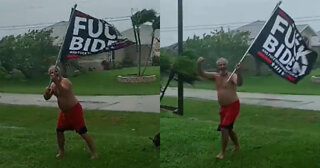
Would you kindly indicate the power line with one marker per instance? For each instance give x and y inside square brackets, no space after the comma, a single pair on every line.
[118,17]
[43,25]
[228,24]
[163,29]
[26,25]
[297,19]
[303,17]
[39,25]
[214,26]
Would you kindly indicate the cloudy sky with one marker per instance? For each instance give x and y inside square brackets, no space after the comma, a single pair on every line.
[17,16]
[202,16]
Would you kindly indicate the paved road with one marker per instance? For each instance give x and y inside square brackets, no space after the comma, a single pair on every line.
[306,102]
[148,103]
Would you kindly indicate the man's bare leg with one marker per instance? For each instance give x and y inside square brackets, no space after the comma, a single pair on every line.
[234,138]
[60,141]
[224,142]
[89,142]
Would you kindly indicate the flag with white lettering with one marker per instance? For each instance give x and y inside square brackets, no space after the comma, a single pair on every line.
[87,35]
[281,46]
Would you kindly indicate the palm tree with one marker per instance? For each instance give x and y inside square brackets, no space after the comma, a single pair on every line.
[155,26]
[139,18]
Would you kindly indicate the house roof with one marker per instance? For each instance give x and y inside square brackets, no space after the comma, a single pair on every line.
[145,34]
[173,47]
[253,28]
[59,29]
[256,26]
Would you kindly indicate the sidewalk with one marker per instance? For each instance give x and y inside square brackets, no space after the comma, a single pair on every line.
[304,102]
[144,103]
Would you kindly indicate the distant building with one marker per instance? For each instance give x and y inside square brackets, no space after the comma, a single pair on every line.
[305,30]
[315,43]
[123,57]
[129,52]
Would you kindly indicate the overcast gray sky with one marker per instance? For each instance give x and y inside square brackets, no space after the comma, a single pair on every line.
[30,12]
[202,16]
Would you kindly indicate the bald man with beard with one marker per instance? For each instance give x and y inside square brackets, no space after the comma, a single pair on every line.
[227,99]
[71,114]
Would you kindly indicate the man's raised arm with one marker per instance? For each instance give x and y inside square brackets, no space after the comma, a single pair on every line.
[202,73]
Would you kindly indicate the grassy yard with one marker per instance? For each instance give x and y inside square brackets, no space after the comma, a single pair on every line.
[91,83]
[269,137]
[28,139]
[265,84]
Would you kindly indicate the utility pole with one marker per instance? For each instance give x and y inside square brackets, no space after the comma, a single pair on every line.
[180,50]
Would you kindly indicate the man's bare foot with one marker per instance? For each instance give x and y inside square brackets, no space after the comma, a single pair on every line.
[236,149]
[94,156]
[60,155]
[220,156]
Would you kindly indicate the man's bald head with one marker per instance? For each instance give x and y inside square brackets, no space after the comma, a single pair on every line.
[222,60]
[54,69]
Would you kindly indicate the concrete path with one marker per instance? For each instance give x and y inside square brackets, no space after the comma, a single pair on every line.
[148,103]
[305,102]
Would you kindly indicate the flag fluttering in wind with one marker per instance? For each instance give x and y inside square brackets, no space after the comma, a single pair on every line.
[281,46]
[87,35]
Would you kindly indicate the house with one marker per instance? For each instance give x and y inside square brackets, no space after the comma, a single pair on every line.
[58,31]
[255,27]
[315,43]
[123,57]
[129,53]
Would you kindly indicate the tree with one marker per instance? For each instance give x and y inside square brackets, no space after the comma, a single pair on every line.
[230,45]
[7,53]
[185,65]
[165,61]
[139,18]
[155,26]
[31,53]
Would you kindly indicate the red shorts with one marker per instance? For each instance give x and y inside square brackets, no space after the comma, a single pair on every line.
[72,120]
[228,115]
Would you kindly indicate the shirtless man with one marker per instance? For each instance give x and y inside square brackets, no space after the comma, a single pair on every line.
[70,115]
[227,99]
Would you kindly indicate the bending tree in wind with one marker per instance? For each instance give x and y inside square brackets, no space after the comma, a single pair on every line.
[139,18]
[155,26]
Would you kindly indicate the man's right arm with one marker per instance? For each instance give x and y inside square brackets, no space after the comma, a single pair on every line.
[202,73]
[47,93]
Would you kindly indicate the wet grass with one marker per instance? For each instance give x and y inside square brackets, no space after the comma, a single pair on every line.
[90,83]
[269,137]
[28,139]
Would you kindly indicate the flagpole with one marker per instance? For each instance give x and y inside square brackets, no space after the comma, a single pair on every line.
[59,54]
[72,13]
[244,55]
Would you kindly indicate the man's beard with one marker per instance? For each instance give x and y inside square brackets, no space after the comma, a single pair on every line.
[223,72]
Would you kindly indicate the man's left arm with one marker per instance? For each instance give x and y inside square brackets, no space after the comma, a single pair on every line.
[237,79]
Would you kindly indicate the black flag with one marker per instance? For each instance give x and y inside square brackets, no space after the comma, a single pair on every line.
[281,46]
[87,35]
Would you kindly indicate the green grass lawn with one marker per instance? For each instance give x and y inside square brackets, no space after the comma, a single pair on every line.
[269,137]
[91,83]
[28,139]
[264,84]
